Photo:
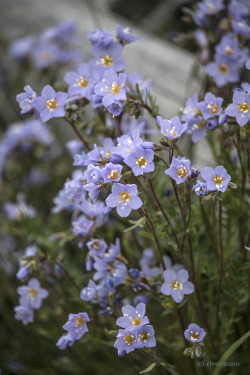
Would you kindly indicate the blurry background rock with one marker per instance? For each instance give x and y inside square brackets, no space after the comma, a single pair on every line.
[167,66]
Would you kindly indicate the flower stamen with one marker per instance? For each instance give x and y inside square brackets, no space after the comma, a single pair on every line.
[52,104]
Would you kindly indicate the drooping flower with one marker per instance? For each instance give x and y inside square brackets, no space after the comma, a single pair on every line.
[50,104]
[124,198]
[100,38]
[22,273]
[116,108]
[32,294]
[217,179]
[172,128]
[25,99]
[194,333]
[125,35]
[133,316]
[96,247]
[240,108]
[24,313]
[179,169]
[200,187]
[88,293]
[140,160]
[176,285]
[64,341]
[77,325]
[111,88]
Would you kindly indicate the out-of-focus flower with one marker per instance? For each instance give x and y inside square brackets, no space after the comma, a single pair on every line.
[32,294]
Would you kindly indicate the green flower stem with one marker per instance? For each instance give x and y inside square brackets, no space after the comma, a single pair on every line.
[164,213]
[71,123]
[208,229]
[221,273]
[152,230]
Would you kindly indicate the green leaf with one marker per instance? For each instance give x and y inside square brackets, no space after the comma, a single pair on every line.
[230,351]
[148,369]
[138,223]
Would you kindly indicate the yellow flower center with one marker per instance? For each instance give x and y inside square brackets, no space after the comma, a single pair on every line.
[176,285]
[244,107]
[213,108]
[107,60]
[173,132]
[32,292]
[79,321]
[144,336]
[125,196]
[194,336]
[223,68]
[46,55]
[200,125]
[228,51]
[113,174]
[182,172]
[96,245]
[195,111]
[129,339]
[136,321]
[115,88]
[83,82]
[141,162]
[218,180]
[51,104]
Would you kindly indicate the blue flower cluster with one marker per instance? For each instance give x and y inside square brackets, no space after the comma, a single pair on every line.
[136,333]
[31,297]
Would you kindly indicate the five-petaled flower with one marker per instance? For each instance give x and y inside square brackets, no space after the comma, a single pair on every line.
[194,333]
[172,128]
[179,170]
[140,160]
[217,179]
[240,108]
[32,294]
[176,285]
[111,88]
[77,325]
[50,104]
[124,198]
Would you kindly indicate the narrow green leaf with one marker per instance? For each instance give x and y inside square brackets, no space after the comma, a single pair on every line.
[230,351]
[148,369]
